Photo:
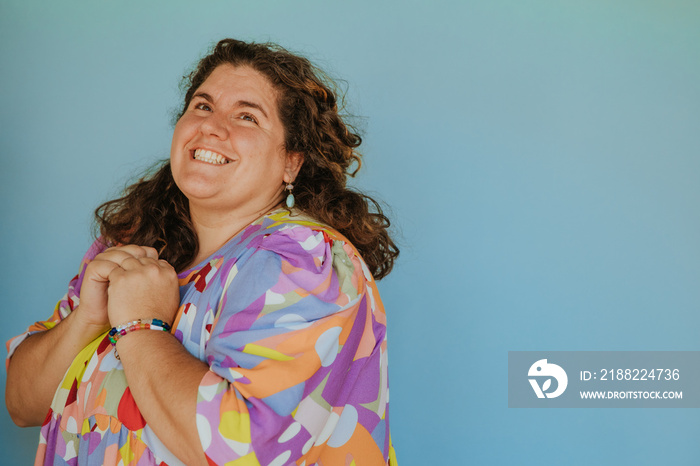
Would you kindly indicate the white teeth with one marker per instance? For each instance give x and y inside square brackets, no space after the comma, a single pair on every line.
[210,157]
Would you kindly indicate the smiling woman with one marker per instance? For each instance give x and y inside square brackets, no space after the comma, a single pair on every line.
[228,152]
[266,336]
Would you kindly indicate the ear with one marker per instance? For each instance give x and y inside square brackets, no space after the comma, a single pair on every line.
[292,166]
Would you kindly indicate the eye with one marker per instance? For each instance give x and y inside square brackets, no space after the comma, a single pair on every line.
[203,106]
[248,117]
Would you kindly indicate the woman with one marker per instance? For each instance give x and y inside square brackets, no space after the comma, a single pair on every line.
[244,249]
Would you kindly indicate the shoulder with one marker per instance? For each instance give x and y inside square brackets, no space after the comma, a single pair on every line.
[296,234]
[291,251]
[284,221]
[307,247]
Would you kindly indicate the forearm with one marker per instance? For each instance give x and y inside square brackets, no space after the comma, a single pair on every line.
[164,379]
[38,366]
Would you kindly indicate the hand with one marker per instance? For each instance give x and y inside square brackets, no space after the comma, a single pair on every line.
[93,292]
[142,287]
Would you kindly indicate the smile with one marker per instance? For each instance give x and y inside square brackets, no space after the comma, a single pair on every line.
[208,156]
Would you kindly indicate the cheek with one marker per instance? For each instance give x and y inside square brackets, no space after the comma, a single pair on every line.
[176,138]
[176,147]
[184,129]
[246,140]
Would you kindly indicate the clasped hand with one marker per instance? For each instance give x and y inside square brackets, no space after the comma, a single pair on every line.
[126,283]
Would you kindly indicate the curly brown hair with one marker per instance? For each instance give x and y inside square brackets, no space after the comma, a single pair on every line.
[154,212]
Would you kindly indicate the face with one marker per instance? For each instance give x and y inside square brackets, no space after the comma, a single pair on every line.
[227,153]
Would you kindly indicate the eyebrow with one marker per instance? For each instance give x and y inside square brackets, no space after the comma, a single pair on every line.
[240,103]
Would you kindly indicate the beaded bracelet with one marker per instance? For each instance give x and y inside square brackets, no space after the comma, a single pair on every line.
[140,324]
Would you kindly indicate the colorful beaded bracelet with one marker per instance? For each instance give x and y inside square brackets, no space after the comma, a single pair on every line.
[140,324]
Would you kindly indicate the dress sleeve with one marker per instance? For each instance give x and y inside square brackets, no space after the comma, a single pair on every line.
[297,357]
[64,307]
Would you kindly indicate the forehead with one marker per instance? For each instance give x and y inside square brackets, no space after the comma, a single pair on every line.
[233,83]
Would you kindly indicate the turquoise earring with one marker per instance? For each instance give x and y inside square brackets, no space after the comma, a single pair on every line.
[290,196]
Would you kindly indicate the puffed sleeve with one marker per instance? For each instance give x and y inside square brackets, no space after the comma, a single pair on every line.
[298,358]
[65,306]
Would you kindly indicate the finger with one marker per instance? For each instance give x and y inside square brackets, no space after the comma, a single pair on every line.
[135,250]
[114,274]
[150,252]
[165,264]
[116,256]
[162,264]
[99,270]
[133,263]
[119,254]
[131,249]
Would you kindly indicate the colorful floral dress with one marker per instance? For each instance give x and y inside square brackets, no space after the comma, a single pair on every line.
[288,318]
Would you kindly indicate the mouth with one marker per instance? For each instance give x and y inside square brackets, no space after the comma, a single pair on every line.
[208,156]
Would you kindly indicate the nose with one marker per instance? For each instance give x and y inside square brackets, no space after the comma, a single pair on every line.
[214,125]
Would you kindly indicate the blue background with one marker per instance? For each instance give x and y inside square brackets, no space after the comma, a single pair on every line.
[541,160]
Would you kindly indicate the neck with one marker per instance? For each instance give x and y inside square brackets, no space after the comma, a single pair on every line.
[214,229]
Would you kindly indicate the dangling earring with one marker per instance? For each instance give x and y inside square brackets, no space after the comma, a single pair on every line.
[290,196]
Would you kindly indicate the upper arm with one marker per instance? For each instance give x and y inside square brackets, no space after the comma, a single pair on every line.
[294,342]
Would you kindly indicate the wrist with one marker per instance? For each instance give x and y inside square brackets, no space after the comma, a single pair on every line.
[120,315]
[116,333]
[86,326]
